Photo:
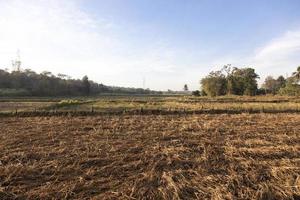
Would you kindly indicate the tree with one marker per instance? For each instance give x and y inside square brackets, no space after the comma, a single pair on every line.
[62,76]
[235,83]
[46,73]
[296,75]
[240,81]
[247,78]
[4,79]
[281,82]
[231,80]
[270,85]
[86,85]
[196,93]
[30,83]
[185,88]
[292,88]
[214,84]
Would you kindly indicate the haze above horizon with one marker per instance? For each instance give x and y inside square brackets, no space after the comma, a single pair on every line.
[166,42]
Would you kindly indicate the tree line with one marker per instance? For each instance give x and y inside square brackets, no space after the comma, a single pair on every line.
[243,81]
[226,81]
[30,83]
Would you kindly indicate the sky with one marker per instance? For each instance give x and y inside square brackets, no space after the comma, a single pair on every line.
[159,44]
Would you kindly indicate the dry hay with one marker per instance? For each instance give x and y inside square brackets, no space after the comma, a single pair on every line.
[247,156]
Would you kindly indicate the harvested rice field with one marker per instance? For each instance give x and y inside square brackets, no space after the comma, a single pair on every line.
[204,156]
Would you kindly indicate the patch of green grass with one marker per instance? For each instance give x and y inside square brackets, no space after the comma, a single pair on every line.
[65,104]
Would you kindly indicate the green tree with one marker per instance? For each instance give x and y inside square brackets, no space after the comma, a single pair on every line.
[196,93]
[241,81]
[4,79]
[270,85]
[235,82]
[296,75]
[29,83]
[292,87]
[231,81]
[185,88]
[214,84]
[86,85]
[281,82]
[248,79]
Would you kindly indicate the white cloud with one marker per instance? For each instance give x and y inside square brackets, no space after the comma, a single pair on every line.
[281,46]
[51,32]
[58,36]
[280,54]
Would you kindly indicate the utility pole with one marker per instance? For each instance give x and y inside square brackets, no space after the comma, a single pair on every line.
[16,64]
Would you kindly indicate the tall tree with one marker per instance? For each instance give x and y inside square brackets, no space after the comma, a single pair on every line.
[248,77]
[296,75]
[86,85]
[292,87]
[281,82]
[271,85]
[185,88]
[237,81]
[214,84]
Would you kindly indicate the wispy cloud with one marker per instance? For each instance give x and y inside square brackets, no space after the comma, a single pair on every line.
[280,53]
[278,56]
[59,36]
[51,32]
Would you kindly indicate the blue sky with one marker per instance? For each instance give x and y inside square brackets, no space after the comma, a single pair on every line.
[167,42]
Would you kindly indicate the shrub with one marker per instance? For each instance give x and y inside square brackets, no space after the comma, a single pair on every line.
[196,93]
[290,90]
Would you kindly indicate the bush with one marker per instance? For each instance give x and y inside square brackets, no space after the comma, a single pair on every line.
[290,90]
[196,93]
[14,92]
[214,84]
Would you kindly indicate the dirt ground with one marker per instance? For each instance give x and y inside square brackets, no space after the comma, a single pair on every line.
[245,156]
